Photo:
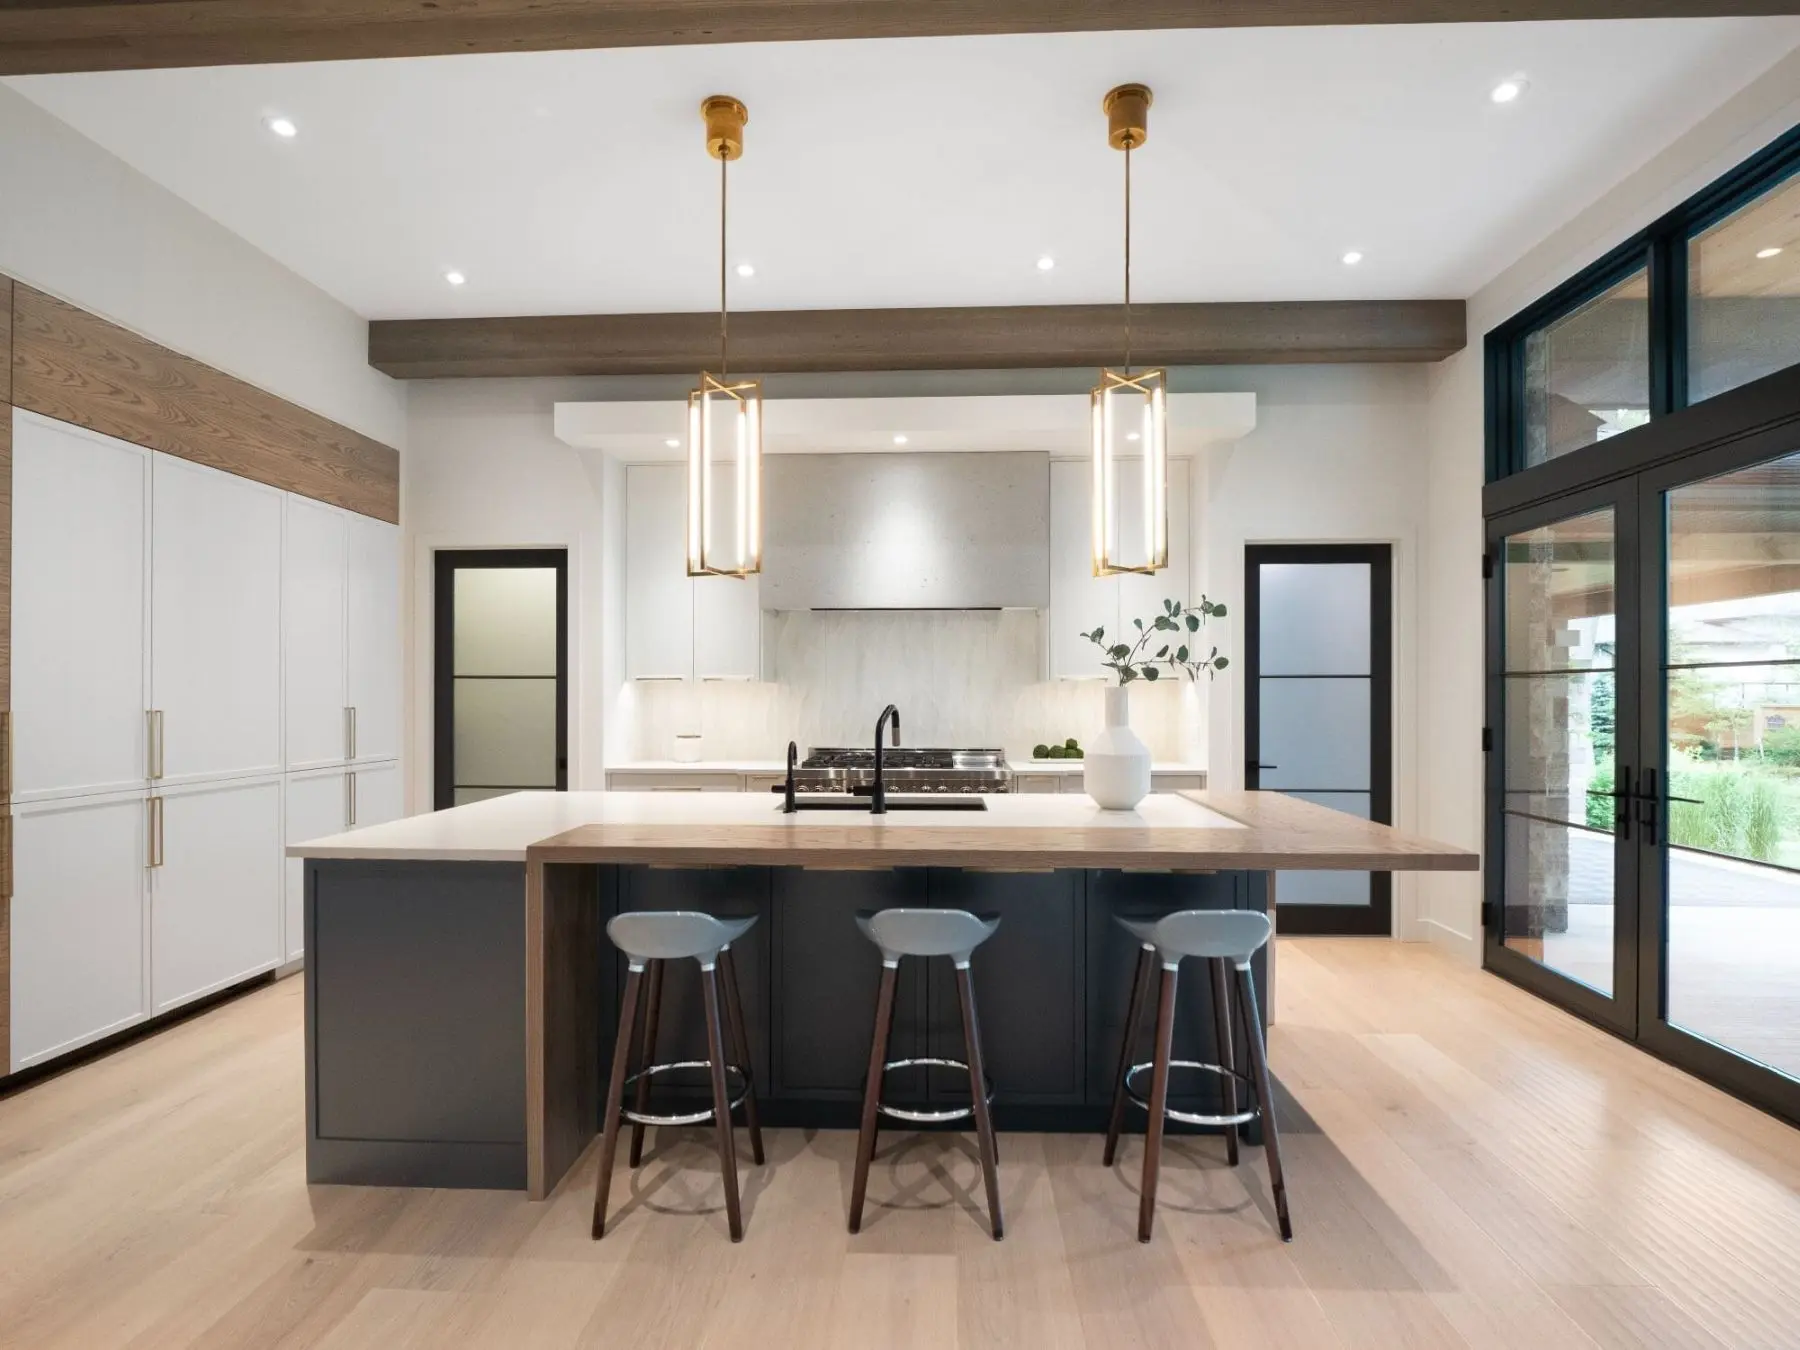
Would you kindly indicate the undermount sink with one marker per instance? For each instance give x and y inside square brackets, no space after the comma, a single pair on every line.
[861,804]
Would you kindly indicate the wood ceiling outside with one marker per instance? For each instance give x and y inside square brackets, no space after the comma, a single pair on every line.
[47,36]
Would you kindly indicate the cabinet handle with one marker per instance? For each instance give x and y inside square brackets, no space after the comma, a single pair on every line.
[156,833]
[153,734]
[349,733]
[6,855]
[350,783]
[6,757]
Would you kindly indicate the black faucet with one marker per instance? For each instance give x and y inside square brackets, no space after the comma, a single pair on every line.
[878,793]
[787,804]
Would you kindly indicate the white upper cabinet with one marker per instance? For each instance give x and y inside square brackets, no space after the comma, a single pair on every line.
[78,922]
[79,631]
[216,895]
[659,594]
[215,670]
[1081,601]
[727,628]
[374,636]
[313,591]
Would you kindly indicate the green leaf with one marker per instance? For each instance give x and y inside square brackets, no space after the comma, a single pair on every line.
[1120,652]
[1138,622]
[1193,623]
[1219,610]
[1180,654]
[1149,672]
[1126,674]
[1164,652]
[1220,662]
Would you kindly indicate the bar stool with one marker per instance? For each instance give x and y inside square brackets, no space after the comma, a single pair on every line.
[648,939]
[926,932]
[1220,937]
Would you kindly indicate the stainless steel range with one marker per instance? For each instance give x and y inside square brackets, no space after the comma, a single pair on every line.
[841,770]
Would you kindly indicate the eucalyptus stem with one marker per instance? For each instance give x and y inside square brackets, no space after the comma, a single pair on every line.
[1180,654]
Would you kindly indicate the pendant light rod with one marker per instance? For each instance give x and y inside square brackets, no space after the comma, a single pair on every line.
[1127,109]
[725,118]
[724,359]
[1128,259]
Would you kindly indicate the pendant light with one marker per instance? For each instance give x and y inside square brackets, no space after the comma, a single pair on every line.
[724,416]
[1127,409]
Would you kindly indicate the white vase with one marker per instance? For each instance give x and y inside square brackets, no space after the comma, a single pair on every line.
[1115,771]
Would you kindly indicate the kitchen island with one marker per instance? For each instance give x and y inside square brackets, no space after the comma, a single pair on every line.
[461,993]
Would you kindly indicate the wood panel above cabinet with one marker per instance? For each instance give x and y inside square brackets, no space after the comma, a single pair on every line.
[69,365]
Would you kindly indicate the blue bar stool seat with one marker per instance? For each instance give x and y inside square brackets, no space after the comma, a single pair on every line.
[1222,938]
[900,933]
[648,939]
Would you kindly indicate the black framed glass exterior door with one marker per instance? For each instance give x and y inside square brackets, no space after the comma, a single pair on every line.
[1318,710]
[1562,893]
[501,652]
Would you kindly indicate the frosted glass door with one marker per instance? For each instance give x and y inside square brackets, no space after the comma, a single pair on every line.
[500,654]
[1317,626]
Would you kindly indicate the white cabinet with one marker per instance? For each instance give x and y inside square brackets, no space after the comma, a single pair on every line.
[79,625]
[377,794]
[316,804]
[313,597]
[679,627]
[216,895]
[78,922]
[215,638]
[373,628]
[1081,601]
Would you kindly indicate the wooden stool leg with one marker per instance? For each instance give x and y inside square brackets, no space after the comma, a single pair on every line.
[740,1047]
[1140,983]
[1265,1097]
[640,1100]
[1159,1101]
[878,1052]
[984,1120]
[615,1099]
[715,1053]
[1227,1060]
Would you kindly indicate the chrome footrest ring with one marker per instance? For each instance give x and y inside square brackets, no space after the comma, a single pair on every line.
[692,1117]
[1191,1117]
[915,1117]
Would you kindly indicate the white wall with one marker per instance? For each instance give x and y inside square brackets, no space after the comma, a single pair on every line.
[483,469]
[80,224]
[1450,709]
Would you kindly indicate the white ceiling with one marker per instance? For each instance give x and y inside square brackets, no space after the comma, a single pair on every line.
[924,171]
[1054,424]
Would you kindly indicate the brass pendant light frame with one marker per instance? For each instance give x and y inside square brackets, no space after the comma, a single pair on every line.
[1127,110]
[725,118]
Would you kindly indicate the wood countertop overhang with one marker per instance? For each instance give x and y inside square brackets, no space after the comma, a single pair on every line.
[1185,831]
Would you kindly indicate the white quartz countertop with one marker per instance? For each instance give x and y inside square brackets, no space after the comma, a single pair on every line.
[502,828]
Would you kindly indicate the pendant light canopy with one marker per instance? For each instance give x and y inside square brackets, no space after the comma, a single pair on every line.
[1129,410]
[724,435]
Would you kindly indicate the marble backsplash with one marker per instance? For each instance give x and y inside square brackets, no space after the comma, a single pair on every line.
[959,678]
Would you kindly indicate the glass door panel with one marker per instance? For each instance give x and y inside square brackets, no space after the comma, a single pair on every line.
[1562,833]
[1731,728]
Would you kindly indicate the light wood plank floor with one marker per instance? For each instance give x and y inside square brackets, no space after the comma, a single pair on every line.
[1468,1167]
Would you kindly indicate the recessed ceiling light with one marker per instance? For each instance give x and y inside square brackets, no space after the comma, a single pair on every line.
[282,126]
[454,277]
[1352,258]
[1131,435]
[1767,252]
[899,439]
[1045,263]
[1508,91]
[745,270]
[672,443]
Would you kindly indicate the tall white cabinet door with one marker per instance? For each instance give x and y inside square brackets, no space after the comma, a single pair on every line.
[1079,601]
[374,629]
[313,562]
[78,920]
[317,804]
[659,596]
[215,616]
[1141,596]
[377,796]
[216,898]
[78,627]
[727,628]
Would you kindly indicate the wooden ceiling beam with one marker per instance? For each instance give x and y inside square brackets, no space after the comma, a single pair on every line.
[48,36]
[993,338]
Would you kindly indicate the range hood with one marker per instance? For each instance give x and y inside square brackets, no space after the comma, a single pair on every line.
[906,531]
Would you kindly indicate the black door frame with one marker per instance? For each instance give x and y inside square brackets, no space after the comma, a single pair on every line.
[1377,917]
[446,563]
[1745,427]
